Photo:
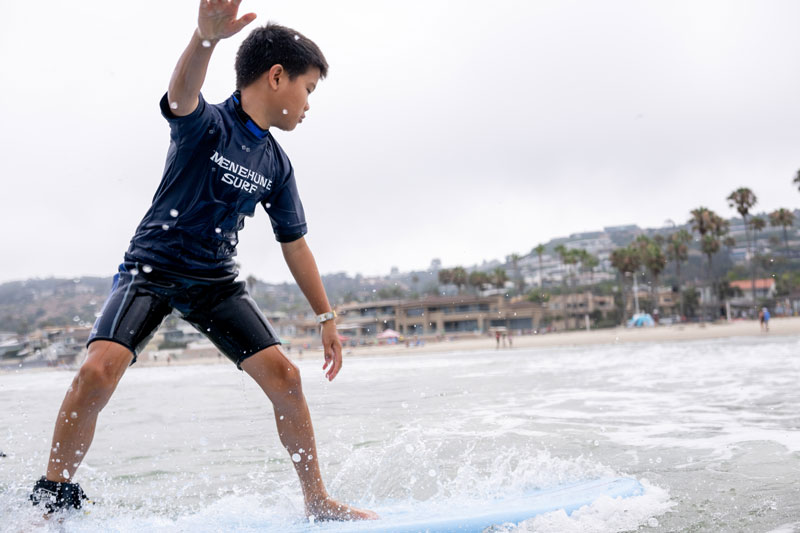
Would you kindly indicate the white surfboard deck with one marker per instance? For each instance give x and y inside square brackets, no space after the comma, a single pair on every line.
[480,515]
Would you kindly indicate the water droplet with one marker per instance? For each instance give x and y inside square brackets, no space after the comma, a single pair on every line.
[296,37]
[147,269]
[310,457]
[432,472]
[73,415]
[76,280]
[285,111]
[233,242]
[208,329]
[296,457]
[173,213]
[98,314]
[409,448]
[404,405]
[267,205]
[174,105]
[658,460]
[652,522]
[165,227]
[596,443]
[281,417]
[301,450]
[218,230]
[78,452]
[134,272]
[65,473]
[76,318]
[211,131]
[206,43]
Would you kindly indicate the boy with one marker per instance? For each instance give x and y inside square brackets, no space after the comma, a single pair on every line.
[221,162]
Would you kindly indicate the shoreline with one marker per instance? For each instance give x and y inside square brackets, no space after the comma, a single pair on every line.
[781,326]
[659,334]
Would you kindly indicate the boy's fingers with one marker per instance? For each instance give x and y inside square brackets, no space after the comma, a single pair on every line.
[244,21]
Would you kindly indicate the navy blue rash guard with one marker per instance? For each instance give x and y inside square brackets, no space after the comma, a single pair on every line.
[219,166]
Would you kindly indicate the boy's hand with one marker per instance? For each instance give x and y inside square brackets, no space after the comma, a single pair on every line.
[332,348]
[217,19]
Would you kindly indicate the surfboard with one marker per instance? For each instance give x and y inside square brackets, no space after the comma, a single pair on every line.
[477,516]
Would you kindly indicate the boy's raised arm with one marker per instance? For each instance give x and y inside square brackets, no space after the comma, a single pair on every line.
[216,20]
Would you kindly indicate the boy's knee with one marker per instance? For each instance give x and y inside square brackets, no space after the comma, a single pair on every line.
[94,379]
[290,382]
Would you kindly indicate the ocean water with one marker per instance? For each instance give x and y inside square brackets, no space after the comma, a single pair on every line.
[710,428]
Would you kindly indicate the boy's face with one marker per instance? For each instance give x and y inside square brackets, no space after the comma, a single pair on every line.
[291,98]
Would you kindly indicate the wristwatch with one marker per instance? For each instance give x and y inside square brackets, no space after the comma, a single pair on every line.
[324,317]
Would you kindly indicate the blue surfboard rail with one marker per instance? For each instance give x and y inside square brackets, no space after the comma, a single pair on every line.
[568,498]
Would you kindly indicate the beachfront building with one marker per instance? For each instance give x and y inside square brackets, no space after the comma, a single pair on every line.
[579,304]
[438,315]
[669,301]
[765,291]
[454,315]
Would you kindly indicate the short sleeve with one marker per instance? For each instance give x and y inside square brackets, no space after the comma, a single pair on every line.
[191,125]
[285,210]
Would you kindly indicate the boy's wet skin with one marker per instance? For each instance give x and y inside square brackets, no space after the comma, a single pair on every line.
[181,255]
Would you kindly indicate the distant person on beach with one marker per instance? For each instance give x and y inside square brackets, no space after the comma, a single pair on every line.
[221,163]
[763,316]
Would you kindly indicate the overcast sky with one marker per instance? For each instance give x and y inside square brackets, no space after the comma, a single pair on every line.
[459,130]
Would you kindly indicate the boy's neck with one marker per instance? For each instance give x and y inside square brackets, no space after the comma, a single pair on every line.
[255,106]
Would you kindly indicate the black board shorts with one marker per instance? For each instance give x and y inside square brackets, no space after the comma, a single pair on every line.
[219,308]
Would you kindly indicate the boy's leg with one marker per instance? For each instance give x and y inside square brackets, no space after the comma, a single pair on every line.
[89,393]
[279,378]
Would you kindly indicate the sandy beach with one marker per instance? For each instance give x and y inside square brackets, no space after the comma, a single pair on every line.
[673,333]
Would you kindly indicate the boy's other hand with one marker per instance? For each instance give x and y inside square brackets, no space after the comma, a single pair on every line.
[332,348]
[217,19]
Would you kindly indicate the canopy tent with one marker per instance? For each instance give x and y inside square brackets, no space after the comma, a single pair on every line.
[641,320]
[389,334]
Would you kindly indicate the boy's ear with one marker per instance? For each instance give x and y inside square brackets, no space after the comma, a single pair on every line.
[274,76]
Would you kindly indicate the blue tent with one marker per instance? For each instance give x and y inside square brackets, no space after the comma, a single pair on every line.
[641,320]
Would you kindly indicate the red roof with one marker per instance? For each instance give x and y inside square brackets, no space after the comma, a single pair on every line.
[761,284]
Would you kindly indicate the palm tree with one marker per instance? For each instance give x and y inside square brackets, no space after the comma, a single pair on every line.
[519,283]
[702,220]
[796,179]
[445,276]
[743,199]
[477,279]
[563,253]
[540,252]
[785,219]
[626,261]
[499,277]
[460,277]
[711,227]
[588,263]
[757,224]
[572,257]
[652,257]
[678,251]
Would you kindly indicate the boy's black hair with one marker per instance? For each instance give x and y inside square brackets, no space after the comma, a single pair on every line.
[274,44]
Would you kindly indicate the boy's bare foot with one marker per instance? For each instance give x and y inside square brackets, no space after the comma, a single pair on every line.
[330,509]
